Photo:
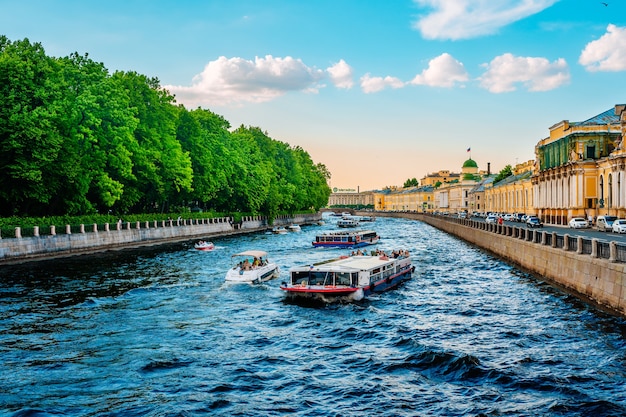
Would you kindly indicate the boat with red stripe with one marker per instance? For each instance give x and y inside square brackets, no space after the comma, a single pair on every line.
[348,278]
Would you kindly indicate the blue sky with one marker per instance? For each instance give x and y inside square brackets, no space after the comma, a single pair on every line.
[379,91]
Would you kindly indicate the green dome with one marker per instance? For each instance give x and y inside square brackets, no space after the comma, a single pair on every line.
[470,163]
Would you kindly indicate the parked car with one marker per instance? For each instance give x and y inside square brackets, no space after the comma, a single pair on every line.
[491,219]
[509,217]
[605,223]
[533,222]
[578,223]
[619,226]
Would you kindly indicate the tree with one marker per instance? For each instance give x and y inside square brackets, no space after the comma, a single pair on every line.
[29,140]
[97,124]
[411,183]
[162,170]
[507,171]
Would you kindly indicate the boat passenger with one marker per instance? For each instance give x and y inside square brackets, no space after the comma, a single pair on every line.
[256,263]
[246,265]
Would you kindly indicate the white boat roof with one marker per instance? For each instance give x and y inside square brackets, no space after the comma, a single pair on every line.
[255,253]
[347,232]
[351,263]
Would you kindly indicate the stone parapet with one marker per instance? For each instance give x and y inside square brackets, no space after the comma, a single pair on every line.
[21,249]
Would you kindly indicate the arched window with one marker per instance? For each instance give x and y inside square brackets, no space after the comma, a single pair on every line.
[618,191]
[601,201]
[610,196]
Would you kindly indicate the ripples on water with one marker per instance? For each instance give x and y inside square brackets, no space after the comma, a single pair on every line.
[157,332]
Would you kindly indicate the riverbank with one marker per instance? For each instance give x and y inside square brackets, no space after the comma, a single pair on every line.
[131,235]
[593,271]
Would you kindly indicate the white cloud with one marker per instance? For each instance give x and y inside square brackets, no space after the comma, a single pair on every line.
[374,84]
[341,74]
[236,80]
[607,53]
[536,74]
[442,71]
[463,19]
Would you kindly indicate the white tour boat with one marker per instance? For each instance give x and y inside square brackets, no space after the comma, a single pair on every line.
[253,267]
[346,239]
[348,222]
[349,278]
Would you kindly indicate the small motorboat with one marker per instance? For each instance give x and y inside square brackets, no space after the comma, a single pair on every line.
[279,230]
[252,267]
[205,246]
[294,228]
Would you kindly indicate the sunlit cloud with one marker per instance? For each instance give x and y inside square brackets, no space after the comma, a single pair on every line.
[607,53]
[442,71]
[228,81]
[464,19]
[505,72]
[341,75]
[371,84]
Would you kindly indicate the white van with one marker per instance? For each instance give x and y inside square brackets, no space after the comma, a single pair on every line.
[605,223]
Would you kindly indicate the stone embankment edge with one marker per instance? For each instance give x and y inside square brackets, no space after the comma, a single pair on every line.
[20,250]
[595,281]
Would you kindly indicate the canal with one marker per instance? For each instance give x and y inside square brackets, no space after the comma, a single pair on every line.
[157,332]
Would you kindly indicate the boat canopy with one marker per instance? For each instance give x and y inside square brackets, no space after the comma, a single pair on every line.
[255,253]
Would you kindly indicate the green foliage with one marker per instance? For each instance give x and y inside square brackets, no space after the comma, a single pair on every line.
[507,171]
[76,140]
[413,182]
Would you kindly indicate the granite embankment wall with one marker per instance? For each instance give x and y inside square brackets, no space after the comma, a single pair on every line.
[593,271]
[97,238]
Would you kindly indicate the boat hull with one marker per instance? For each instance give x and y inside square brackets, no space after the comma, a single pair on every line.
[254,276]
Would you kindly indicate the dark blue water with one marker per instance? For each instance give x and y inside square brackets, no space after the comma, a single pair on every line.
[158,333]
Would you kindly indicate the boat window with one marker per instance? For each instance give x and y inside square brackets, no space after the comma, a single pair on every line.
[317,278]
[342,278]
[299,277]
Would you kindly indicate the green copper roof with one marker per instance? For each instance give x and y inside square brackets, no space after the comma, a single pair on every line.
[470,163]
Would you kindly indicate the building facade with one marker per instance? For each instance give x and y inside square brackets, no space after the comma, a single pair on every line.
[351,199]
[579,169]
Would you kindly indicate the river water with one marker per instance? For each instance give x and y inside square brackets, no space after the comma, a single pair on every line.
[157,332]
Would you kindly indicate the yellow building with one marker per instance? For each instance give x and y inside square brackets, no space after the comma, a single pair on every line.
[579,168]
[404,199]
[442,177]
[513,194]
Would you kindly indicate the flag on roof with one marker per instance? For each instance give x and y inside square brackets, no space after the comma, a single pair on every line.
[469,149]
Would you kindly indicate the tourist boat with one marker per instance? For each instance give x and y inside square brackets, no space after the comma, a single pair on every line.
[205,246]
[294,227]
[252,267]
[348,278]
[347,222]
[346,239]
[367,219]
[279,230]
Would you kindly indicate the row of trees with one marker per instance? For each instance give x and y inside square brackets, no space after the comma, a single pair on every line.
[75,139]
